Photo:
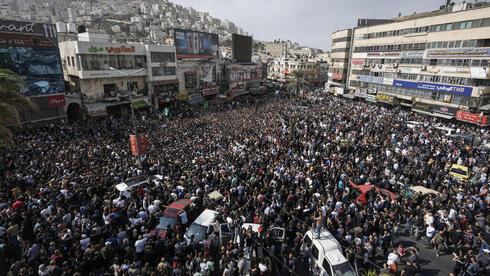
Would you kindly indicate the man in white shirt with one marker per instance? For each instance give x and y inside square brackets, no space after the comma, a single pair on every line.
[430,232]
[140,244]
[393,258]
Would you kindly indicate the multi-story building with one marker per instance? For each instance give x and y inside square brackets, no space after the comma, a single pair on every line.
[199,79]
[282,68]
[244,78]
[102,75]
[435,62]
[339,61]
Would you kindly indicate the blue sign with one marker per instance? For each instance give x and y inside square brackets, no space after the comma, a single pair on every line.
[469,52]
[458,90]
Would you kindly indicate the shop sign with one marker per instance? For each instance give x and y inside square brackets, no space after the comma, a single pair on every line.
[358,60]
[469,52]
[412,54]
[446,110]
[182,97]
[422,107]
[94,49]
[46,30]
[56,100]
[452,89]
[384,54]
[384,98]
[371,98]
[479,119]
[138,140]
[449,70]
[121,49]
[209,91]
[167,100]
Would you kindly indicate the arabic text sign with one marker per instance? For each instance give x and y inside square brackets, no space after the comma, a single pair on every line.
[452,89]
[468,52]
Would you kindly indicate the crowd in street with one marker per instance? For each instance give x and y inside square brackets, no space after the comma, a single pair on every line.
[278,163]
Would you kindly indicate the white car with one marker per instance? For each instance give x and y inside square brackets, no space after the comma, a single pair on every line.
[326,252]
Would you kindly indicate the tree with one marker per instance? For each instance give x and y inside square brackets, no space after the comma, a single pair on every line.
[11,103]
[296,82]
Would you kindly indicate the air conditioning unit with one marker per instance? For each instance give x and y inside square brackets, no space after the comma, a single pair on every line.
[395,65]
[424,67]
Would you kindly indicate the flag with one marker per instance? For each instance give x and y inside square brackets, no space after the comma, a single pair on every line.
[165,112]
[205,104]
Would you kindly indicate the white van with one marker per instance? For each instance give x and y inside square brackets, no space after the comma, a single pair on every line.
[202,226]
[326,252]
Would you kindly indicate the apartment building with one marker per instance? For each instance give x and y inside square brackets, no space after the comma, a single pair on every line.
[436,63]
[339,61]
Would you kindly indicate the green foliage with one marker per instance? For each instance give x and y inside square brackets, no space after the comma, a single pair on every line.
[371,272]
[296,82]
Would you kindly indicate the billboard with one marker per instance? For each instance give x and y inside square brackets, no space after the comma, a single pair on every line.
[452,89]
[31,50]
[193,44]
[242,48]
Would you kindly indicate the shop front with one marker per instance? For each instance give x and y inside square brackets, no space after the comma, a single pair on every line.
[209,92]
[478,119]
[164,93]
[387,99]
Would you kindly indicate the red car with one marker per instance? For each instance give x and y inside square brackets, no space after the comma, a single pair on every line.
[171,216]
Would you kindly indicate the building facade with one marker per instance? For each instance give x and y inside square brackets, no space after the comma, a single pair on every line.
[436,63]
[30,49]
[281,69]
[339,61]
[199,79]
[102,75]
[244,78]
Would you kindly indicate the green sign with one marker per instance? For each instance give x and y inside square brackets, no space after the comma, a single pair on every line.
[139,104]
[94,49]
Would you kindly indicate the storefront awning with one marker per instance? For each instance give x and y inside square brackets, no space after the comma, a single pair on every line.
[163,82]
[423,112]
[444,116]
[484,108]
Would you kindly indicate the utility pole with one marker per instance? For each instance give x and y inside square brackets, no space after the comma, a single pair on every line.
[130,90]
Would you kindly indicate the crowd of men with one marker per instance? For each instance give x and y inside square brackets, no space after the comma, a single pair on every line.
[277,163]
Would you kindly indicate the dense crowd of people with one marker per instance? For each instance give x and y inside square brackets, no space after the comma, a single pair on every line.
[277,163]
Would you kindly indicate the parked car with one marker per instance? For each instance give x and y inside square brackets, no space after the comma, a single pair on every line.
[175,213]
[326,252]
[202,226]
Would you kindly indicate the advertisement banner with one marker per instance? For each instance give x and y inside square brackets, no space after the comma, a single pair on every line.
[42,31]
[412,54]
[384,98]
[371,98]
[56,100]
[453,89]
[193,44]
[445,110]
[358,60]
[479,119]
[142,142]
[422,107]
[468,52]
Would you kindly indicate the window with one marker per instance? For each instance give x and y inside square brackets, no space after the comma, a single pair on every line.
[162,57]
[327,266]
[68,61]
[457,44]
[132,85]
[110,90]
[315,252]
[438,28]
[449,26]
[451,44]
[469,24]
[472,43]
[462,25]
[73,61]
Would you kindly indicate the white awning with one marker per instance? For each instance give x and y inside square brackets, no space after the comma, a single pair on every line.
[423,112]
[449,117]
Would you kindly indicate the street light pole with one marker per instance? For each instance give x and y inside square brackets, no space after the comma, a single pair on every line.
[135,131]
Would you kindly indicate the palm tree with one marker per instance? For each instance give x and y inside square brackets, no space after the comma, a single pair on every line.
[296,82]
[11,103]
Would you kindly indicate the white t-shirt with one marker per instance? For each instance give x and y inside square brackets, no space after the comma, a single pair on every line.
[392,258]
[140,245]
